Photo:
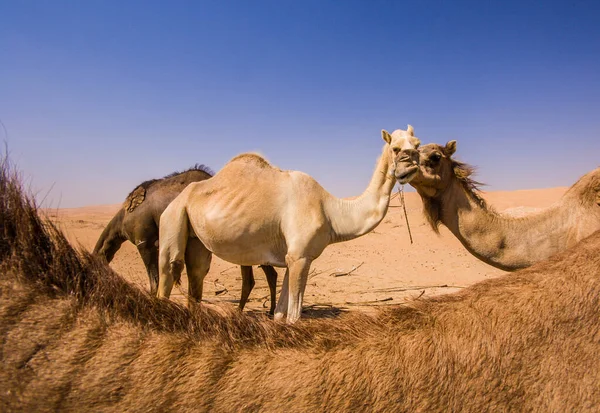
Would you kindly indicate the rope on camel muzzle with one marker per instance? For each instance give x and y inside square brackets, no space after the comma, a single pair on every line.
[401,196]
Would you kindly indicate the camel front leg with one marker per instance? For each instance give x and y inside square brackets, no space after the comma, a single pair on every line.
[282,304]
[197,263]
[297,284]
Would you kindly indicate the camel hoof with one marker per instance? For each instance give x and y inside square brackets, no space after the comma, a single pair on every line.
[291,321]
[278,317]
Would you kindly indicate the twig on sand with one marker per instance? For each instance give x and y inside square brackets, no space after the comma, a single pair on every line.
[369,302]
[221,300]
[227,269]
[323,306]
[342,274]
[219,288]
[315,273]
[417,287]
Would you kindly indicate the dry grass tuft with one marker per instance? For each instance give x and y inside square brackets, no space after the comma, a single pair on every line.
[74,336]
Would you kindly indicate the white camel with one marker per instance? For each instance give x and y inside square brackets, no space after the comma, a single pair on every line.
[251,213]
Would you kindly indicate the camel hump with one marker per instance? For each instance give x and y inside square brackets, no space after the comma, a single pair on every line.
[135,198]
[252,158]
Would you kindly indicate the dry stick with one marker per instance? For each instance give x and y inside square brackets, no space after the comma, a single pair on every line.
[317,306]
[217,290]
[341,274]
[401,194]
[417,287]
[313,273]
[394,196]
[227,269]
[369,302]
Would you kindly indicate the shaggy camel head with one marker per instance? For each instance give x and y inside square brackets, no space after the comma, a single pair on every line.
[437,168]
[437,172]
[402,146]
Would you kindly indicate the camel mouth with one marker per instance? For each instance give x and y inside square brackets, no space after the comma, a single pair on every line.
[408,175]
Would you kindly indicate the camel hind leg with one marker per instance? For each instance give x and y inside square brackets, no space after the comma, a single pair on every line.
[247,284]
[149,253]
[271,275]
[173,237]
[197,263]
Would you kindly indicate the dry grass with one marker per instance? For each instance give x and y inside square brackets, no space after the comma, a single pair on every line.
[74,336]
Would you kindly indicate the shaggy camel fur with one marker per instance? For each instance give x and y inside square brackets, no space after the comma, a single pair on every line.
[451,197]
[137,221]
[251,213]
[76,337]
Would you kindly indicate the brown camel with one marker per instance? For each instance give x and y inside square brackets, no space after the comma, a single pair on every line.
[74,337]
[137,221]
[451,197]
[251,213]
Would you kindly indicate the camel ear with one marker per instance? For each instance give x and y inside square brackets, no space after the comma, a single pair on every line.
[410,130]
[386,136]
[450,148]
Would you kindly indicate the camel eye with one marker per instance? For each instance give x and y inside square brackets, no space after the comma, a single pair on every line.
[435,157]
[396,150]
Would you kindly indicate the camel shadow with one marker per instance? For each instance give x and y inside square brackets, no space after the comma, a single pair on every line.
[313,311]
[320,311]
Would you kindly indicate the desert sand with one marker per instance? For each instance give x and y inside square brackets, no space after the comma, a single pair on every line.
[379,269]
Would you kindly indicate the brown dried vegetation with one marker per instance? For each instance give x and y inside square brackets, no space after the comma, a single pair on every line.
[74,336]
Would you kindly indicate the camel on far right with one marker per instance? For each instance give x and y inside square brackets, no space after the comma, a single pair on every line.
[451,197]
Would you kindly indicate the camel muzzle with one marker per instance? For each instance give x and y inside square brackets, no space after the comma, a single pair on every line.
[408,175]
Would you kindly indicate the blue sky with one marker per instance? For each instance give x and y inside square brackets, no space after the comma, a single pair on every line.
[97,96]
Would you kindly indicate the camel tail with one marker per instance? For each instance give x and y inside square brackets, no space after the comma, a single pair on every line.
[111,238]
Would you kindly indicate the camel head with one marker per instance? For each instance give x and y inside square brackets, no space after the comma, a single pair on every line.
[438,174]
[436,169]
[402,146]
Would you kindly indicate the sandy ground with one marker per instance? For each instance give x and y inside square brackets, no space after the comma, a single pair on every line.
[380,268]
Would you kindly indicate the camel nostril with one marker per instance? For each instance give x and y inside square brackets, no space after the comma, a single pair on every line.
[410,155]
[407,155]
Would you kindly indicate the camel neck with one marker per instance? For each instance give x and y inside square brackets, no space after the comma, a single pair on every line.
[502,241]
[352,218]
